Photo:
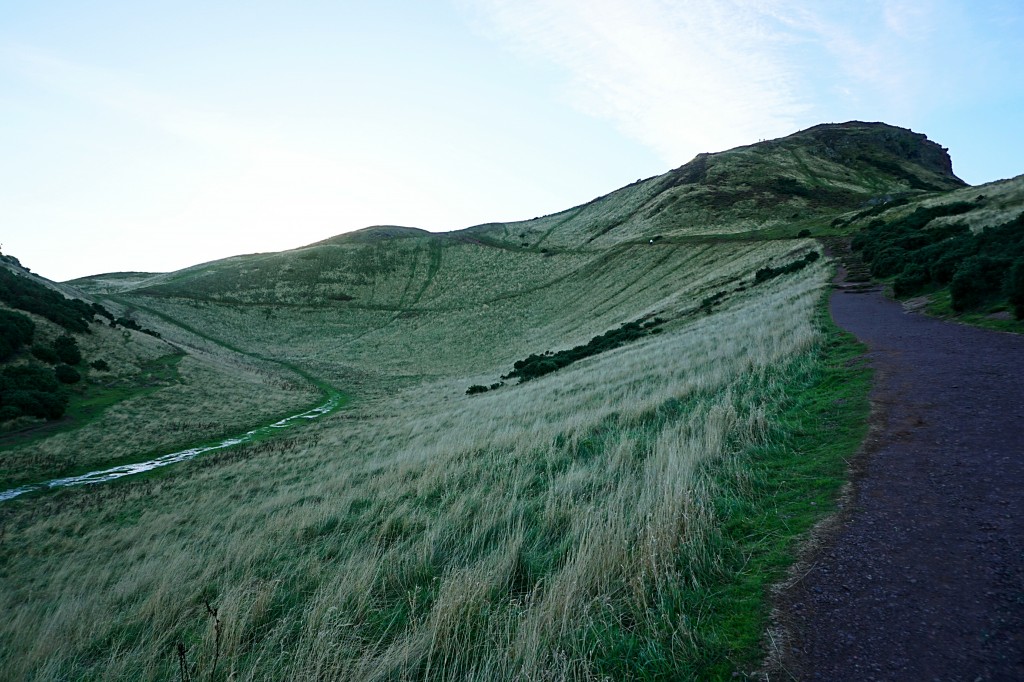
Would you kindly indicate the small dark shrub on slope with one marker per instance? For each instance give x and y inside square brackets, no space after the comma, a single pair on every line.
[67,351]
[534,366]
[45,353]
[976,279]
[16,330]
[66,374]
[30,390]
[28,295]
[1015,287]
[767,273]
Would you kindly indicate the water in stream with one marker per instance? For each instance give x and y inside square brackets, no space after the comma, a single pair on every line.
[119,471]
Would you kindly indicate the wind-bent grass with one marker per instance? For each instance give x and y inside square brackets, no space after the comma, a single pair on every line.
[579,526]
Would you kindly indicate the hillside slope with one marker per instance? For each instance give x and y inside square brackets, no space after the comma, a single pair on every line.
[617,518]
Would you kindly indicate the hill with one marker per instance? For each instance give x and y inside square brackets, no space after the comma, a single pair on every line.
[618,515]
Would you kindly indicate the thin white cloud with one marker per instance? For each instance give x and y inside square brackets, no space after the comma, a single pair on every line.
[704,75]
[679,77]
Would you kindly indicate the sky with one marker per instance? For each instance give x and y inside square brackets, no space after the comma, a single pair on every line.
[150,136]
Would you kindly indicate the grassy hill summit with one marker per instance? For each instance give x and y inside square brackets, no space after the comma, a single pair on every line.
[576,447]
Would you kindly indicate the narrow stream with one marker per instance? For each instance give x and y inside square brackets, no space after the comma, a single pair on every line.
[333,403]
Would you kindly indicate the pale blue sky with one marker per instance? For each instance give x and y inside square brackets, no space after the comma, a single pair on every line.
[156,135]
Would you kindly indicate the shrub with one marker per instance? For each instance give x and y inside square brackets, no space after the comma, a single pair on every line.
[975,280]
[955,252]
[1014,285]
[913,278]
[767,273]
[45,353]
[476,389]
[889,262]
[31,390]
[100,365]
[534,365]
[803,233]
[29,295]
[29,377]
[16,330]
[36,403]
[66,374]
[66,348]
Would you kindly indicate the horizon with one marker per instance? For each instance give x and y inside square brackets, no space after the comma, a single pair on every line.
[150,140]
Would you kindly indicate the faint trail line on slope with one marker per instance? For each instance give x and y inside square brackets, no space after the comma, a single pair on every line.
[924,575]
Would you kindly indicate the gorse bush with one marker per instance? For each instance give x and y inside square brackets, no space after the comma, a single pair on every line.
[976,278]
[67,350]
[66,374]
[16,330]
[31,390]
[977,267]
[534,366]
[25,294]
[767,273]
[45,353]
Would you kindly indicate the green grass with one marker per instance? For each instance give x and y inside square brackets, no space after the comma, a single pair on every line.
[789,484]
[89,400]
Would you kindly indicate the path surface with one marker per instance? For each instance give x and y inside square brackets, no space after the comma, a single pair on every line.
[924,579]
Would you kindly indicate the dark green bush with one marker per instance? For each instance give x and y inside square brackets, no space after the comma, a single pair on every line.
[31,296]
[31,390]
[41,404]
[913,279]
[66,348]
[803,233]
[16,330]
[534,365]
[475,389]
[45,353]
[955,251]
[889,262]
[66,374]
[977,279]
[129,323]
[100,365]
[767,273]
[29,377]
[1014,286]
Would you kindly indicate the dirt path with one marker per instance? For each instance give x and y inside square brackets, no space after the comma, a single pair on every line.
[924,577]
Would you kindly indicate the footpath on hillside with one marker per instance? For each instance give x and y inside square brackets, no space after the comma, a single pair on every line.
[923,576]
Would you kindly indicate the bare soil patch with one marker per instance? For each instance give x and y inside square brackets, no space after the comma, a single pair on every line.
[923,576]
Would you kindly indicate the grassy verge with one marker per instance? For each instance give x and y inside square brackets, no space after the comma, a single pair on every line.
[771,497]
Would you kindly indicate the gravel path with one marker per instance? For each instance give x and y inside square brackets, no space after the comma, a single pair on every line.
[924,577]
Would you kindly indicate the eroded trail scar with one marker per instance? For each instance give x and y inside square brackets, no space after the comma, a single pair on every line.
[925,578]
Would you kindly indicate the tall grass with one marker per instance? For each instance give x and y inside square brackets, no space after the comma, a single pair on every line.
[567,528]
